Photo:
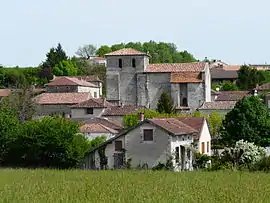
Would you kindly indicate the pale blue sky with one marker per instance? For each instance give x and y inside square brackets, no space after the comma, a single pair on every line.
[235,31]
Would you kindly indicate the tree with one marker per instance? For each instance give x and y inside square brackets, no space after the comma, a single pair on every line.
[228,86]
[86,51]
[248,120]
[45,74]
[55,56]
[103,50]
[65,68]
[50,142]
[215,122]
[2,76]
[249,77]
[165,104]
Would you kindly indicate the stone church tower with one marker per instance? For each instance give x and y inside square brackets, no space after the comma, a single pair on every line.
[122,69]
[131,80]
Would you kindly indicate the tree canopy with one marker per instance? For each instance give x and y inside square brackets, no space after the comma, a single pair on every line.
[160,52]
[248,120]
[86,51]
[55,56]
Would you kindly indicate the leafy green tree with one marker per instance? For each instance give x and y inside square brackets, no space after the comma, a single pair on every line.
[228,86]
[2,76]
[55,56]
[14,77]
[116,47]
[86,51]
[65,68]
[103,50]
[50,142]
[248,120]
[215,122]
[249,77]
[97,141]
[165,104]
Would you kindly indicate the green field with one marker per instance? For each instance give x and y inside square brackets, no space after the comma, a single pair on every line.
[132,186]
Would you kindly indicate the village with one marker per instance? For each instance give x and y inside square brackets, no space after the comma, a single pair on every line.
[182,95]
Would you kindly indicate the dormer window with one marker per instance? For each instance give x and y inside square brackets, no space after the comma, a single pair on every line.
[133,63]
[120,63]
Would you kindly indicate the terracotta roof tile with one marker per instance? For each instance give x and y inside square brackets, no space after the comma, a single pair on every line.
[218,105]
[125,52]
[96,128]
[176,67]
[93,103]
[121,110]
[264,87]
[194,122]
[231,95]
[174,126]
[88,78]
[5,92]
[116,125]
[68,81]
[219,73]
[185,77]
[61,98]
[232,67]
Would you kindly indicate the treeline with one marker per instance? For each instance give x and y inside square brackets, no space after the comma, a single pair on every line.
[159,52]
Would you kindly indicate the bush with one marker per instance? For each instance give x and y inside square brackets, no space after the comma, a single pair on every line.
[200,160]
[262,165]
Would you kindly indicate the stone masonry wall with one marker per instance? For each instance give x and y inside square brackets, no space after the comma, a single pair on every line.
[195,95]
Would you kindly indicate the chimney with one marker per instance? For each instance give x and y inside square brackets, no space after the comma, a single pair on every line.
[104,101]
[141,116]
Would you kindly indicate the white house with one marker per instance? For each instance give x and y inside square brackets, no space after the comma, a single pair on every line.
[154,141]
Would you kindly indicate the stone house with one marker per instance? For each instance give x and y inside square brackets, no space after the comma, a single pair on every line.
[92,107]
[224,101]
[93,130]
[117,113]
[154,141]
[62,93]
[131,80]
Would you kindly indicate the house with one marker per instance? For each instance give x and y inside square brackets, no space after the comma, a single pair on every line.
[5,92]
[154,141]
[118,112]
[131,80]
[97,60]
[219,75]
[93,79]
[224,101]
[92,107]
[93,130]
[68,84]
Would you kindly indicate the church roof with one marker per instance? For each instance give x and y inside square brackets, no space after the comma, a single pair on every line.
[176,67]
[126,52]
[68,81]
[190,77]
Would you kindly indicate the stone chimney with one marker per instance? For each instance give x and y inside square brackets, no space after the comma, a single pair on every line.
[104,101]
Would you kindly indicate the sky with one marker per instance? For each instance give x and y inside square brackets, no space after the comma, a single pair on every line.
[234,31]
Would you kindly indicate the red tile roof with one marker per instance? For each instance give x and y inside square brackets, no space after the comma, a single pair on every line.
[97,59]
[116,125]
[173,125]
[4,92]
[185,77]
[194,122]
[96,128]
[176,67]
[69,81]
[121,110]
[126,52]
[62,98]
[263,87]
[218,105]
[93,103]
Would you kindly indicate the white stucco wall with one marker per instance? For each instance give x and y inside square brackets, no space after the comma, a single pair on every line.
[177,141]
[205,137]
[82,112]
[91,90]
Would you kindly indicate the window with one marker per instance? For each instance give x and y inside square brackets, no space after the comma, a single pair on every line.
[95,94]
[118,145]
[185,102]
[133,63]
[207,146]
[202,147]
[148,135]
[120,63]
[177,154]
[89,111]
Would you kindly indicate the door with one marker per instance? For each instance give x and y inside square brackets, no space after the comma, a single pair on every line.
[118,160]
[183,160]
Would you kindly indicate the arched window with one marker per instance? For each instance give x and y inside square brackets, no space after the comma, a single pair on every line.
[133,63]
[120,63]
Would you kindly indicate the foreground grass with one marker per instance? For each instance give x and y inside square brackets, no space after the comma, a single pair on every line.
[132,186]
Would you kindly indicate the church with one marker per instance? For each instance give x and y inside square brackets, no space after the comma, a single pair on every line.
[131,80]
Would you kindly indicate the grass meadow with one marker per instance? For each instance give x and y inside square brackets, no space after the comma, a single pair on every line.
[132,186]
